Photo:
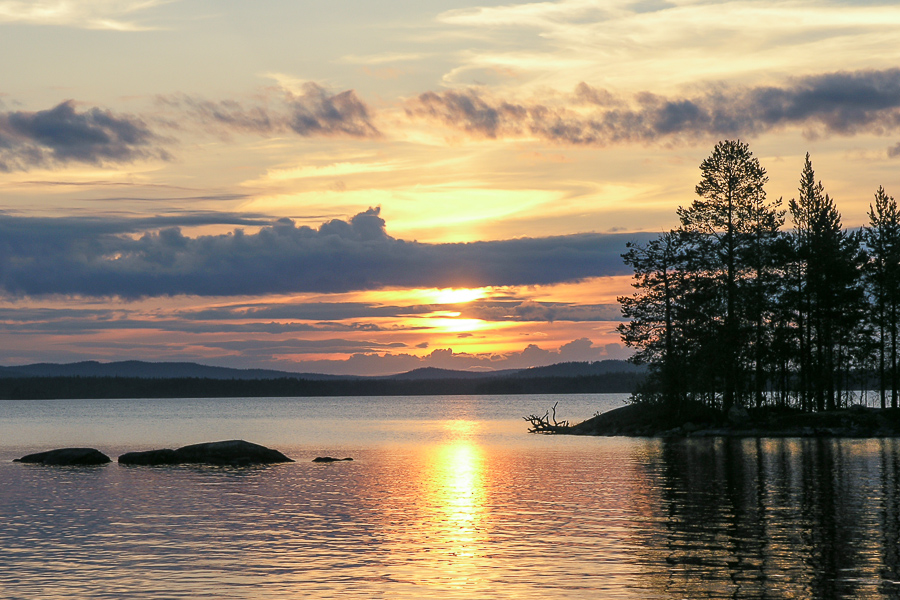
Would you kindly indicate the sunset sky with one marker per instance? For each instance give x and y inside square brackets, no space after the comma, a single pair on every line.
[371,187]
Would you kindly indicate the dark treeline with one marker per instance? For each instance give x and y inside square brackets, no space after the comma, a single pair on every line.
[748,303]
[31,388]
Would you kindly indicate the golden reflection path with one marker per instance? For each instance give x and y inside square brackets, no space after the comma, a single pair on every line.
[455,516]
[459,494]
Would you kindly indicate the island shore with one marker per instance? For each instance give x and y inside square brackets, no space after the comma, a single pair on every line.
[696,420]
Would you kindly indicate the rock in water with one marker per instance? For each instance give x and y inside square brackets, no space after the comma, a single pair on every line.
[150,457]
[230,452]
[328,459]
[67,456]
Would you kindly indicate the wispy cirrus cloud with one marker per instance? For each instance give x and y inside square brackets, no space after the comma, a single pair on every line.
[40,256]
[841,103]
[629,43]
[114,15]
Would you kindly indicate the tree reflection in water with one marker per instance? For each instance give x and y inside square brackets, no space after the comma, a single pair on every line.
[776,518]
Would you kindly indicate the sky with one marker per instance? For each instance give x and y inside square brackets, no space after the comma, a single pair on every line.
[371,187]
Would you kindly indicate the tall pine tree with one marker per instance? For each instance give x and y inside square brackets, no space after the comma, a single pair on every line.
[733,225]
[882,238]
[828,298]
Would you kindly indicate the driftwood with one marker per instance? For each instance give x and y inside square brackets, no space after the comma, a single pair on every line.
[547,423]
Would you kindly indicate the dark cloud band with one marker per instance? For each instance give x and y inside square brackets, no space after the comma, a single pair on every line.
[106,258]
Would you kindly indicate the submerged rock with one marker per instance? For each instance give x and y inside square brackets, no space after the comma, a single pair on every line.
[67,456]
[230,452]
[328,459]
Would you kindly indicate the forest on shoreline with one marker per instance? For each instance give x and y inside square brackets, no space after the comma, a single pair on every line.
[33,388]
[739,307]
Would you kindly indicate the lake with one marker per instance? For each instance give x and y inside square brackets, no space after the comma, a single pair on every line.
[447,497]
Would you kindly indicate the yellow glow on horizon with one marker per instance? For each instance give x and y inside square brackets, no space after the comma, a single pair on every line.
[463,212]
[597,290]
[418,296]
[454,325]
[458,296]
[331,170]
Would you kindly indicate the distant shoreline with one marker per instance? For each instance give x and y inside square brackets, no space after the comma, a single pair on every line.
[76,387]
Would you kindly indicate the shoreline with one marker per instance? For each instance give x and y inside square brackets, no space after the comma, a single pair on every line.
[695,420]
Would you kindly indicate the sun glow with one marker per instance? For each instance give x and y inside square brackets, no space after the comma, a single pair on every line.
[453,325]
[458,296]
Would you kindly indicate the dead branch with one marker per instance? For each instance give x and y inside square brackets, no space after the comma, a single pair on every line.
[546,423]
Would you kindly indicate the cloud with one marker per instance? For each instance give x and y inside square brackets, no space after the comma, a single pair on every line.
[308,311]
[14,322]
[316,112]
[86,14]
[530,310]
[840,103]
[105,258]
[298,346]
[309,111]
[62,134]
[374,363]
[227,114]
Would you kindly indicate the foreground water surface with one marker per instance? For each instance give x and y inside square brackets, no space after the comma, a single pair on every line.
[447,497]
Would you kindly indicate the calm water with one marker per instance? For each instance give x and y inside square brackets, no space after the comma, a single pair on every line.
[447,498]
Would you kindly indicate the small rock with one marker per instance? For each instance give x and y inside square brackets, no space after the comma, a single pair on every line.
[328,459]
[67,456]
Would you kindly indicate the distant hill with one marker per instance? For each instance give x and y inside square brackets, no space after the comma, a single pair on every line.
[179,370]
[566,369]
[152,370]
[136,379]
[582,369]
[428,373]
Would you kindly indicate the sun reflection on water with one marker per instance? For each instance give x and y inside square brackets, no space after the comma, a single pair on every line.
[455,496]
[460,496]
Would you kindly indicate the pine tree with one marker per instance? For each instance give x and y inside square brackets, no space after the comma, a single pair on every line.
[828,296]
[654,326]
[882,238]
[733,225]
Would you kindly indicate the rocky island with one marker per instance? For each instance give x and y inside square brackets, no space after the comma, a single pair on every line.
[697,420]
